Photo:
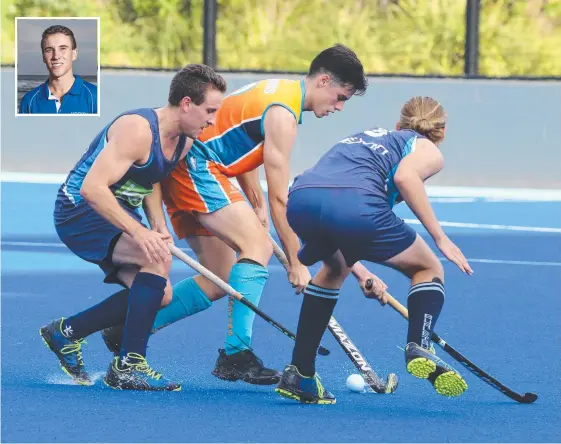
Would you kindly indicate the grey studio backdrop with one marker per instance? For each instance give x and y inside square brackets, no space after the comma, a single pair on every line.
[30,59]
[500,133]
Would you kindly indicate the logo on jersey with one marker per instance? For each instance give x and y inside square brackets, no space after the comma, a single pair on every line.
[243,89]
[377,132]
[376,147]
[193,162]
[132,193]
[271,86]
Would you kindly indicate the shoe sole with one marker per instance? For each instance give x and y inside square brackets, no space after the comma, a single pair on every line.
[114,387]
[421,368]
[294,396]
[77,381]
[450,384]
[233,377]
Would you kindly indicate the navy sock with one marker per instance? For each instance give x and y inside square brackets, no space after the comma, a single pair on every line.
[424,303]
[317,308]
[109,312]
[146,295]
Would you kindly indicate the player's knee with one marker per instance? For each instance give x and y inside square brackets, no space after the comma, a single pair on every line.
[159,268]
[259,249]
[437,270]
[333,270]
[168,294]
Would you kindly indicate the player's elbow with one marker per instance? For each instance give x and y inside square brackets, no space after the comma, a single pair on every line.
[88,191]
[278,202]
[404,177]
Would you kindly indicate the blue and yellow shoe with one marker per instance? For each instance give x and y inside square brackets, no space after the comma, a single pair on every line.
[308,390]
[134,373]
[424,364]
[68,351]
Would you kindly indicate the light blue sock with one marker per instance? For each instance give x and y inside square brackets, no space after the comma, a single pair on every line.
[188,299]
[249,280]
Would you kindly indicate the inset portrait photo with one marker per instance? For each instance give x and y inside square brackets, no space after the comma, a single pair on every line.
[57,66]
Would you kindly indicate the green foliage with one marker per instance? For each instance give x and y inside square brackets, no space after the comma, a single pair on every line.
[517,37]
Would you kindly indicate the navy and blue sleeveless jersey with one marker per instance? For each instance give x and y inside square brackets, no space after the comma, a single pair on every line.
[133,187]
[366,160]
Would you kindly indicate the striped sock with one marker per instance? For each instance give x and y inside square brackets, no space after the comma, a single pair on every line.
[317,308]
[424,303]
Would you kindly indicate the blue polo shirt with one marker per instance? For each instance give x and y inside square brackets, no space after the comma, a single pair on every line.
[80,99]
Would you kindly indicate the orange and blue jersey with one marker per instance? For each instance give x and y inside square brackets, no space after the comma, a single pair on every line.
[233,146]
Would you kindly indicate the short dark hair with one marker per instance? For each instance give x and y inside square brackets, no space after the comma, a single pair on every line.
[343,65]
[58,29]
[193,81]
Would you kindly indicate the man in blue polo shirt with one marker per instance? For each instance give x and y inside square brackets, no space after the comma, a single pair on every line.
[63,92]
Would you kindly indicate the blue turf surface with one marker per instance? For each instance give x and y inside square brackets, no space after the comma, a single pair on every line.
[505,318]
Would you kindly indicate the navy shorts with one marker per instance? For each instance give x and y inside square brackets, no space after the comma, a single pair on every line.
[93,238]
[348,219]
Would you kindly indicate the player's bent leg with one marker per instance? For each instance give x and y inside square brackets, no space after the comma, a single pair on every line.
[113,336]
[195,294]
[189,296]
[238,226]
[424,303]
[218,257]
[130,370]
[65,336]
[299,380]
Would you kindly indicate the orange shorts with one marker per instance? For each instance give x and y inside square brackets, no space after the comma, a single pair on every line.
[196,185]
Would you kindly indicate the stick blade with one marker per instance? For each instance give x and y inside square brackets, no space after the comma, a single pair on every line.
[528,398]
[378,386]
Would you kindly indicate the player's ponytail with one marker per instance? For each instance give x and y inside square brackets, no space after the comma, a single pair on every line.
[425,116]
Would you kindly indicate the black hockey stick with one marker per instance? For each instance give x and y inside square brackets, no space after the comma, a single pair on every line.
[369,375]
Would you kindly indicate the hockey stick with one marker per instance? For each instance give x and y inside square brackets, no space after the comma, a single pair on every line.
[526,398]
[369,375]
[229,290]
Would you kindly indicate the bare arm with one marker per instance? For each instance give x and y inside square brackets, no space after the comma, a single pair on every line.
[249,183]
[153,208]
[129,143]
[280,134]
[409,179]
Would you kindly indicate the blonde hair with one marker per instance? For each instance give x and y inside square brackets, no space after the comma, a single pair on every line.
[425,116]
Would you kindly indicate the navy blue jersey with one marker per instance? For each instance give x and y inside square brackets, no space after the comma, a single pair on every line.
[133,187]
[80,99]
[366,160]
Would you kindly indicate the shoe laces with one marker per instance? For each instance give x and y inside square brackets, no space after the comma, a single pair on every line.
[321,389]
[142,366]
[74,347]
[253,358]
